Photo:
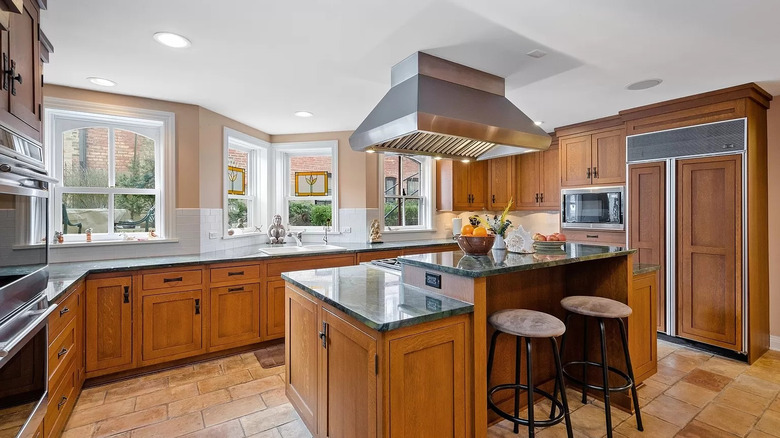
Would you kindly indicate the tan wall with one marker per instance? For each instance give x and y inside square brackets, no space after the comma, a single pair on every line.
[773,164]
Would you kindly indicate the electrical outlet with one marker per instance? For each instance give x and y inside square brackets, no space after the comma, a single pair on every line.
[213,235]
[346,229]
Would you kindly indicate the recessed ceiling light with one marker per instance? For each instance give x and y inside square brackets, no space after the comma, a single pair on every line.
[437,158]
[466,160]
[304,114]
[101,81]
[644,85]
[370,151]
[536,53]
[538,123]
[172,40]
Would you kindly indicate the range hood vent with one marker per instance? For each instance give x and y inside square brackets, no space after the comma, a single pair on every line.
[440,108]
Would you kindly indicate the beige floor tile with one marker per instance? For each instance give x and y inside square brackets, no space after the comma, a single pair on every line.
[724,367]
[666,348]
[229,429]
[668,375]
[744,401]
[268,419]
[504,429]
[756,386]
[697,429]
[653,427]
[80,432]
[691,394]
[259,372]
[255,387]
[90,398]
[726,418]
[758,434]
[775,406]
[651,389]
[769,423]
[225,381]
[765,373]
[294,429]
[692,353]
[274,397]
[174,427]
[557,431]
[679,362]
[707,380]
[211,365]
[198,403]
[232,410]
[165,396]
[671,410]
[98,413]
[272,433]
[590,420]
[235,363]
[199,372]
[130,421]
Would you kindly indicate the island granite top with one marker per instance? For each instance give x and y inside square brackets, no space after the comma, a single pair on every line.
[505,262]
[376,297]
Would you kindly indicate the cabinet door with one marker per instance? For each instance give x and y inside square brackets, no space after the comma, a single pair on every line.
[24,55]
[348,381]
[527,171]
[171,326]
[709,250]
[301,349]
[273,310]
[609,157]
[647,227]
[550,180]
[501,182]
[643,301]
[477,178]
[461,187]
[428,375]
[575,161]
[235,315]
[109,328]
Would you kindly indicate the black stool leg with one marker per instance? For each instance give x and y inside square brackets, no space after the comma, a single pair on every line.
[585,361]
[530,380]
[491,354]
[559,380]
[624,339]
[518,368]
[605,369]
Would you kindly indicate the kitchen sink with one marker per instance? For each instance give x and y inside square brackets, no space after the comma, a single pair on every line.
[281,250]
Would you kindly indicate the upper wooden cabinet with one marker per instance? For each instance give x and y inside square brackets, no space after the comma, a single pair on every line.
[537,181]
[109,324]
[595,158]
[461,186]
[501,187]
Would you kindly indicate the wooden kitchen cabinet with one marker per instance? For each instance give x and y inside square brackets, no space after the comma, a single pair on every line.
[537,182]
[171,325]
[301,354]
[235,316]
[461,186]
[642,332]
[273,310]
[501,186]
[596,158]
[109,324]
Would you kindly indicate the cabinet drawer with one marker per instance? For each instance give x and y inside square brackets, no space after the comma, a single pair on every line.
[275,269]
[172,279]
[596,236]
[377,255]
[64,314]
[235,273]
[62,350]
[61,401]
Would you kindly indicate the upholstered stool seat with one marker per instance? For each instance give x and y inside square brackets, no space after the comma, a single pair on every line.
[527,323]
[597,307]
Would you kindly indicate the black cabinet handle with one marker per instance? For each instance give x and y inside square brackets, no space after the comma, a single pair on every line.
[324,334]
[235,289]
[494,199]
[13,75]
[588,173]
[62,352]
[595,172]
[231,274]
[64,311]
[592,236]
[127,294]
[541,197]
[197,306]
[536,198]
[171,280]
[62,402]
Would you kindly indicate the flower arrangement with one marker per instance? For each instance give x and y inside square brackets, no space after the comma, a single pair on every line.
[498,225]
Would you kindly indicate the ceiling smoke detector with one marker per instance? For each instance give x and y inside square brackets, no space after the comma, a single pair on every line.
[644,85]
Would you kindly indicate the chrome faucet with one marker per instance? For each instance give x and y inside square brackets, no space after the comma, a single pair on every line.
[326,228]
[297,236]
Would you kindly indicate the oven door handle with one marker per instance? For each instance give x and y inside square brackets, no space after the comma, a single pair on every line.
[8,347]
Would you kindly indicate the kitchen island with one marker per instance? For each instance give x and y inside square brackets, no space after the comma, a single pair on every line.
[430,361]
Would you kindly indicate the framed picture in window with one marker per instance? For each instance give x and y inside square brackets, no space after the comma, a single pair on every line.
[236,180]
[311,183]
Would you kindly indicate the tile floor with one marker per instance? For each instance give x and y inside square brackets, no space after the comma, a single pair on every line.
[694,394]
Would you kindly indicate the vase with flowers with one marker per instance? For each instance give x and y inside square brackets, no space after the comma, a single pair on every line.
[498,225]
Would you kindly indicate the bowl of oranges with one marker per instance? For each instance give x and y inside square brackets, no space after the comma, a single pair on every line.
[475,240]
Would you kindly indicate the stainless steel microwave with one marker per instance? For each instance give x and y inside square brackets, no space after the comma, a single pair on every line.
[590,208]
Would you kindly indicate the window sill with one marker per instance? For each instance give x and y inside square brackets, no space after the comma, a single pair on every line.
[410,230]
[238,236]
[111,243]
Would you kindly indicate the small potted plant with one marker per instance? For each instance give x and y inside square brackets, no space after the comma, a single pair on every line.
[499,225]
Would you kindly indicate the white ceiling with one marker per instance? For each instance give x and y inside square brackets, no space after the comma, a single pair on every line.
[260,61]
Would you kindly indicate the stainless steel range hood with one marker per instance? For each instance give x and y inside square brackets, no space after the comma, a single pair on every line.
[440,108]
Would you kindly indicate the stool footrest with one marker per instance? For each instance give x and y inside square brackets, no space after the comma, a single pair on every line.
[524,421]
[620,373]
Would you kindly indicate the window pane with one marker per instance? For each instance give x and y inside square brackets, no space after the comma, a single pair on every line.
[307,175]
[410,171]
[393,212]
[238,213]
[134,213]
[309,213]
[411,212]
[133,160]
[238,172]
[391,175]
[87,210]
[85,157]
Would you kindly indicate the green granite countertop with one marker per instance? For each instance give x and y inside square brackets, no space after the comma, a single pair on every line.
[504,262]
[64,275]
[376,297]
[644,268]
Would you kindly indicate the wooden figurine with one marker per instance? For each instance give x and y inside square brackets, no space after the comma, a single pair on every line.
[375,236]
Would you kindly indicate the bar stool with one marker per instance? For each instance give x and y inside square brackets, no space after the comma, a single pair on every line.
[528,324]
[601,309]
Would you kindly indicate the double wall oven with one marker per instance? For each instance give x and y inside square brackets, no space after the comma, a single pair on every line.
[24,307]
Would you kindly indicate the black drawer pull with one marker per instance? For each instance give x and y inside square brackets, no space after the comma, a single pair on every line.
[592,236]
[62,402]
[64,311]
[62,352]
[197,306]
[230,274]
[235,289]
[171,280]
[127,294]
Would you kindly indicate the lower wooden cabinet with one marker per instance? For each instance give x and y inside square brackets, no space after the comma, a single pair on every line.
[171,326]
[109,325]
[643,301]
[62,399]
[273,310]
[235,316]
[301,350]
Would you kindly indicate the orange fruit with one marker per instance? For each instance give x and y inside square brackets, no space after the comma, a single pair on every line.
[480,232]
[467,230]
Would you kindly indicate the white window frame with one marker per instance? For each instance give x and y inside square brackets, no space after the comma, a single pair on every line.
[159,125]
[427,199]
[257,182]
[282,152]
